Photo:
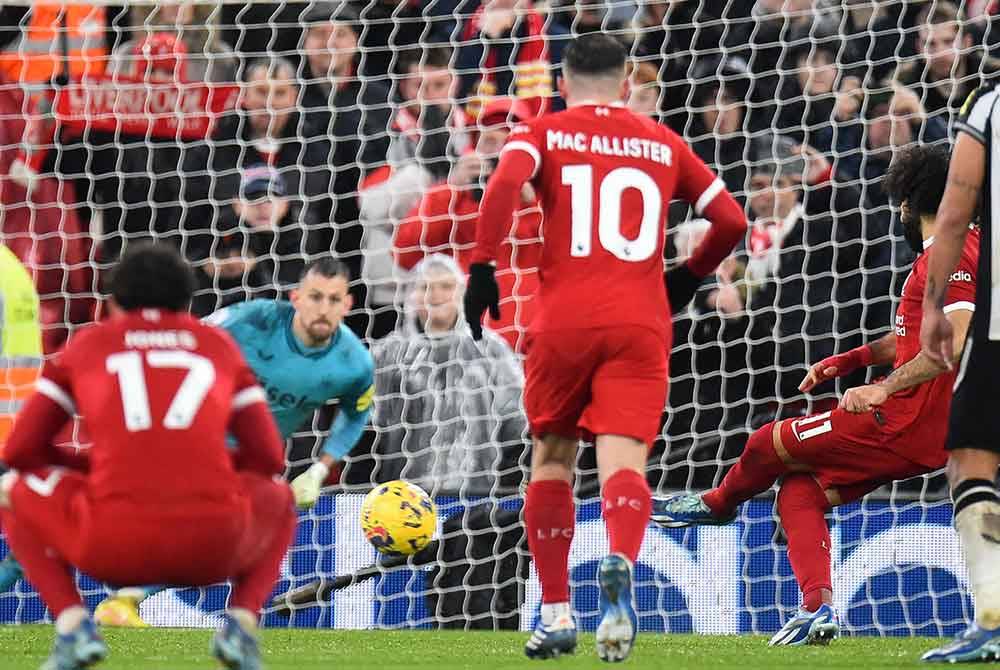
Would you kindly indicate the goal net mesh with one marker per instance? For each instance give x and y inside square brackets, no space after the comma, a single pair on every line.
[259,136]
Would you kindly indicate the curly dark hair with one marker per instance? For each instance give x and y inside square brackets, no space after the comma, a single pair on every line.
[152,275]
[917,176]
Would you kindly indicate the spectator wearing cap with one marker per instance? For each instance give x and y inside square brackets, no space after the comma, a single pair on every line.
[256,251]
[508,48]
[428,133]
[335,99]
[267,128]
[444,222]
[176,41]
[811,259]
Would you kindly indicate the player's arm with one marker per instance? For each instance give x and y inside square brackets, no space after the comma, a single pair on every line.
[348,426]
[519,163]
[233,315]
[921,368]
[957,208]
[707,194]
[48,409]
[880,352]
[261,448]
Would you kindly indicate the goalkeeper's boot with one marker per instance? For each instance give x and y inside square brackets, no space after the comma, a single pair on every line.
[819,627]
[974,645]
[77,650]
[235,646]
[619,623]
[10,572]
[554,639]
[686,509]
[119,611]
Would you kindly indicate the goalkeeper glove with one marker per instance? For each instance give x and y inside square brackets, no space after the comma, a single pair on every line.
[481,293]
[306,486]
[682,284]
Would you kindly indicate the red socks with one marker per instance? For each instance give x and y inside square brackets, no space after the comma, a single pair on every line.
[626,503]
[549,520]
[754,473]
[801,505]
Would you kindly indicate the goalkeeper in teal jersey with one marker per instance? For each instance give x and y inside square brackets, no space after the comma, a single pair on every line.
[303,357]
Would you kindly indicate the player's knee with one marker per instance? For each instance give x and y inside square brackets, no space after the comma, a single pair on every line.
[761,445]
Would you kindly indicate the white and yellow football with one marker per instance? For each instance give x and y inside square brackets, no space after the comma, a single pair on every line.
[398,518]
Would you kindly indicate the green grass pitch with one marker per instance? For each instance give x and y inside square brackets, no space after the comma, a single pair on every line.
[25,647]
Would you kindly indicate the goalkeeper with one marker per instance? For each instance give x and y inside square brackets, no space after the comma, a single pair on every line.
[303,356]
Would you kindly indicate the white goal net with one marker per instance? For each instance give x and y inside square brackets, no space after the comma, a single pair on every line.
[256,137]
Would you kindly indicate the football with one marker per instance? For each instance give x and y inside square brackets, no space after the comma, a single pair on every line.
[398,518]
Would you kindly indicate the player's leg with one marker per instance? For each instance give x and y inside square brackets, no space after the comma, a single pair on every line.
[257,562]
[763,460]
[550,521]
[40,515]
[10,569]
[557,386]
[629,392]
[802,505]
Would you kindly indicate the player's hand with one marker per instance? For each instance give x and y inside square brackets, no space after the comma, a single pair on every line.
[306,486]
[936,337]
[819,373]
[682,284]
[481,293]
[864,398]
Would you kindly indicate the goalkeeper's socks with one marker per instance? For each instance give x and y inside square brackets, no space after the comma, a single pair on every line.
[626,503]
[550,519]
[802,505]
[754,473]
[977,519]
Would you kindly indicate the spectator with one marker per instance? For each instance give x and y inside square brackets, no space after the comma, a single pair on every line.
[948,68]
[428,132]
[892,118]
[508,48]
[644,89]
[391,27]
[811,259]
[448,412]
[821,93]
[266,128]
[718,131]
[877,35]
[585,16]
[178,39]
[334,97]
[444,221]
[256,250]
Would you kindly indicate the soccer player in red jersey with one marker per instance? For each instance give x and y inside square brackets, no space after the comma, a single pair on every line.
[163,500]
[889,430]
[597,347]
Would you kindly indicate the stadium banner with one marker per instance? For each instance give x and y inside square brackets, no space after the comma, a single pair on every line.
[898,570]
[142,108]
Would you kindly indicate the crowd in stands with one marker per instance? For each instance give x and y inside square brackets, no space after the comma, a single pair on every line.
[368,130]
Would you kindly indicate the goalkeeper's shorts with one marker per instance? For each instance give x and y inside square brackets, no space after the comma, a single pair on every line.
[598,381]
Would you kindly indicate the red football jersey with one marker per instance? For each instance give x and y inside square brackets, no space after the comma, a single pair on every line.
[605,177]
[925,407]
[157,390]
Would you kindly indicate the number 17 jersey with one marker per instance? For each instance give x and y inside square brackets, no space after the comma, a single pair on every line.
[157,390]
[605,177]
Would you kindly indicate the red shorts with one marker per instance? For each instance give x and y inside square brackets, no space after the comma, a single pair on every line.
[850,453]
[601,381]
[125,544]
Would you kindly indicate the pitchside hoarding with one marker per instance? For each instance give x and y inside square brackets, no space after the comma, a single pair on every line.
[897,571]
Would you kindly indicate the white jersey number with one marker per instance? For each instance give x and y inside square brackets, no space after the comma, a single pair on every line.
[580,179]
[135,397]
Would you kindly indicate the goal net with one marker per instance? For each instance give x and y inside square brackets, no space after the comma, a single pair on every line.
[259,136]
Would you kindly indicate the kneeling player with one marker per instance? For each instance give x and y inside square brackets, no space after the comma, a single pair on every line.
[164,501]
[894,429]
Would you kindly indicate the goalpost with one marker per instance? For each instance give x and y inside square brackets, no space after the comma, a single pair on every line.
[143,138]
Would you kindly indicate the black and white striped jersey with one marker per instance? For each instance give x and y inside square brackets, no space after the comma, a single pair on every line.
[980,119]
